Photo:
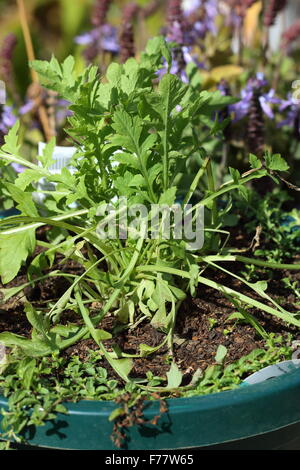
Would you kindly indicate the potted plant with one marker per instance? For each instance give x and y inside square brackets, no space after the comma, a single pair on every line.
[108,286]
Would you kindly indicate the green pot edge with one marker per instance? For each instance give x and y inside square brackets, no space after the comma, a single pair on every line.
[221,417]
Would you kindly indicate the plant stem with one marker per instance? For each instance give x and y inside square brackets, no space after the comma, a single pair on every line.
[31,57]
[196,181]
[212,189]
[267,264]
[240,44]
[249,300]
[243,259]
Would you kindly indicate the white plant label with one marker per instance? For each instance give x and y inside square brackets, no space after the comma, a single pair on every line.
[2,93]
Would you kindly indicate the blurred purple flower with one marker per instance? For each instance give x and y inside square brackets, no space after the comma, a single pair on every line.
[291,105]
[176,24]
[7,119]
[211,10]
[181,57]
[103,38]
[176,33]
[266,100]
[241,108]
[204,22]
[18,168]
[62,112]
[190,20]
[224,88]
[27,107]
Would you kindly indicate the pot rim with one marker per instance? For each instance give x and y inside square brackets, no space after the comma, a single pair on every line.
[287,381]
[196,422]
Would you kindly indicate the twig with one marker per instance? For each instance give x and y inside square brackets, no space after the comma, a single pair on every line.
[31,57]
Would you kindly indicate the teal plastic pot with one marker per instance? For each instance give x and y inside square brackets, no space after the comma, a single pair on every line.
[262,416]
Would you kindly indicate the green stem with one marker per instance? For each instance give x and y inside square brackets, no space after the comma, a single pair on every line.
[196,181]
[249,301]
[267,264]
[103,172]
[229,186]
[212,189]
[256,262]
[90,326]
[95,320]
[166,147]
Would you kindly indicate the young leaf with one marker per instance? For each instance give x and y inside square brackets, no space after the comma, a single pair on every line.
[24,200]
[172,91]
[14,250]
[102,335]
[37,320]
[46,158]
[174,376]
[114,73]
[235,175]
[28,177]
[26,369]
[11,140]
[254,161]
[33,348]
[220,354]
[276,162]
[168,197]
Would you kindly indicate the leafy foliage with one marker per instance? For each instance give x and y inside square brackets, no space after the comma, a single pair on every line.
[32,402]
[135,139]
[280,228]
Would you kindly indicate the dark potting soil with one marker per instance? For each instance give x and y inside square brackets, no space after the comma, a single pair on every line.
[202,323]
[196,340]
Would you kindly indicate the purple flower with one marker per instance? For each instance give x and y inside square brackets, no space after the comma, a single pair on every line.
[61,111]
[224,88]
[203,23]
[176,33]
[176,69]
[18,168]
[7,119]
[27,107]
[211,9]
[177,29]
[266,100]
[241,108]
[181,57]
[291,105]
[103,38]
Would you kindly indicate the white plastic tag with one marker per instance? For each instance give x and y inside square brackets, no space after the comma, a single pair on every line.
[62,157]
[273,371]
